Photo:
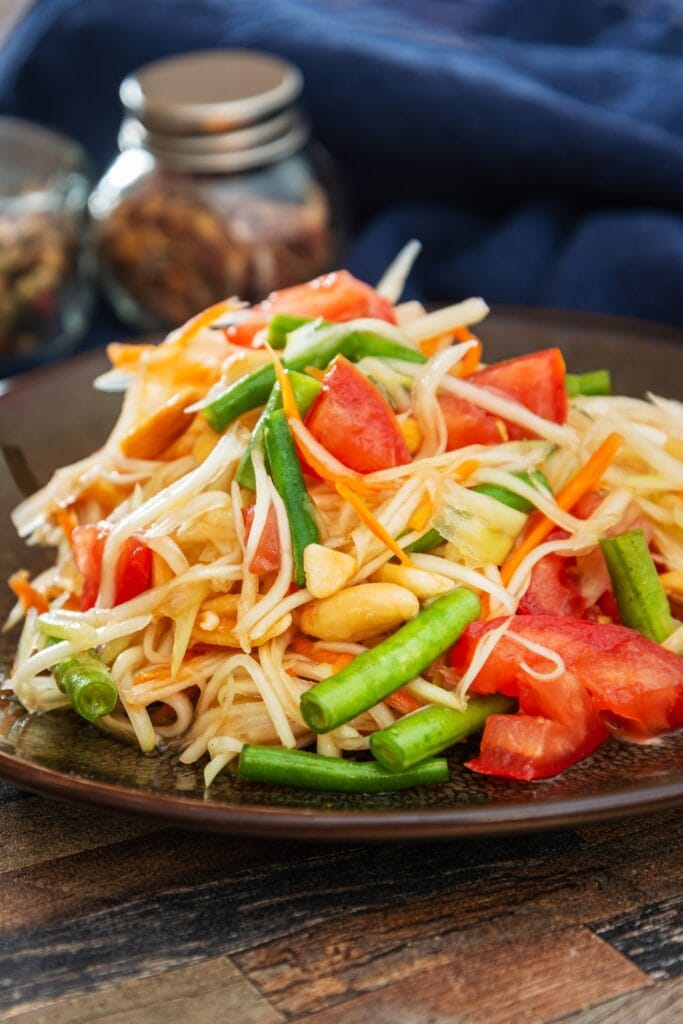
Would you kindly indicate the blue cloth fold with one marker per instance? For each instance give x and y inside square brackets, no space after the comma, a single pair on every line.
[535,148]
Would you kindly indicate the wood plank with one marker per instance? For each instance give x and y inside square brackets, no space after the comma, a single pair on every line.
[651,937]
[36,830]
[524,899]
[74,926]
[538,982]
[659,1004]
[203,994]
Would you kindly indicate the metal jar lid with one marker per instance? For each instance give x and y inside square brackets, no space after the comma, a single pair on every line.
[210,91]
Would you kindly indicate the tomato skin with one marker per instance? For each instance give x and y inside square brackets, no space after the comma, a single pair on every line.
[133,568]
[337,296]
[536,380]
[268,554]
[614,679]
[553,589]
[354,422]
[467,424]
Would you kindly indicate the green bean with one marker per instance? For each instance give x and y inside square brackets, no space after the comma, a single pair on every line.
[306,389]
[377,673]
[509,498]
[314,771]
[598,382]
[281,325]
[643,604]
[431,539]
[86,681]
[253,390]
[429,731]
[286,472]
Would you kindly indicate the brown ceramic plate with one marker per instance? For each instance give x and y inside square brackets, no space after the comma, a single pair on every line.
[55,417]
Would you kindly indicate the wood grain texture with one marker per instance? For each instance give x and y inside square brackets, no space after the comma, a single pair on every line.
[34,831]
[201,994]
[659,1004]
[650,936]
[536,982]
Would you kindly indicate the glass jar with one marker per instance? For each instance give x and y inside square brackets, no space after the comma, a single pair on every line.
[45,263]
[217,191]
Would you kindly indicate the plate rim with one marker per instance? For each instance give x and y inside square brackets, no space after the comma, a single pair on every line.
[482,820]
[456,821]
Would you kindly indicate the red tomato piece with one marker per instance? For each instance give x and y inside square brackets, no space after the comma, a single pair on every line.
[536,380]
[268,554]
[133,567]
[352,419]
[614,677]
[467,424]
[337,296]
[553,589]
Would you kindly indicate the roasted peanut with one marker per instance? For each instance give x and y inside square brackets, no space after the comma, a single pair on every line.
[360,612]
[424,585]
[327,570]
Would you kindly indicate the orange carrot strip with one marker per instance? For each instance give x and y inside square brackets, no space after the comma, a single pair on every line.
[366,516]
[66,520]
[288,399]
[422,514]
[540,526]
[341,661]
[469,363]
[465,469]
[204,319]
[402,702]
[28,596]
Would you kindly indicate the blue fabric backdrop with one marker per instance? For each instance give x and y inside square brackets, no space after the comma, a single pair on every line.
[535,146]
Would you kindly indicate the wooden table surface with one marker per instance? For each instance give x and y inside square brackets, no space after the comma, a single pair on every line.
[104,918]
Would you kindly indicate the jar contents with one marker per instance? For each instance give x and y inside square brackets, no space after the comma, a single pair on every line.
[199,249]
[215,193]
[44,297]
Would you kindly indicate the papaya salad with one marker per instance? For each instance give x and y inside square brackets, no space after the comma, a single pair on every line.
[325,541]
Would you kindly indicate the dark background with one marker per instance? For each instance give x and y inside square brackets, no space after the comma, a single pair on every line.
[535,146]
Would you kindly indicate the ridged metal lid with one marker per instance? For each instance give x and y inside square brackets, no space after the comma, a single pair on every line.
[211,91]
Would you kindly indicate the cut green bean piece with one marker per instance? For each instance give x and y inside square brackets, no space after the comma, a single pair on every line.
[305,770]
[285,470]
[507,497]
[374,675]
[429,731]
[306,389]
[87,683]
[431,539]
[643,604]
[281,325]
[597,382]
[253,390]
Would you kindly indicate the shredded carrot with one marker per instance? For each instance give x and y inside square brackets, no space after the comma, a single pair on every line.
[403,702]
[430,346]
[155,432]
[125,355]
[341,661]
[540,526]
[288,399]
[485,607]
[366,516]
[27,594]
[204,319]
[422,514]
[465,469]
[469,363]
[66,520]
[314,371]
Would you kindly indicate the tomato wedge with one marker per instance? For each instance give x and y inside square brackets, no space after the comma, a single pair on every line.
[536,380]
[614,678]
[133,567]
[268,554]
[337,296]
[553,589]
[352,419]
